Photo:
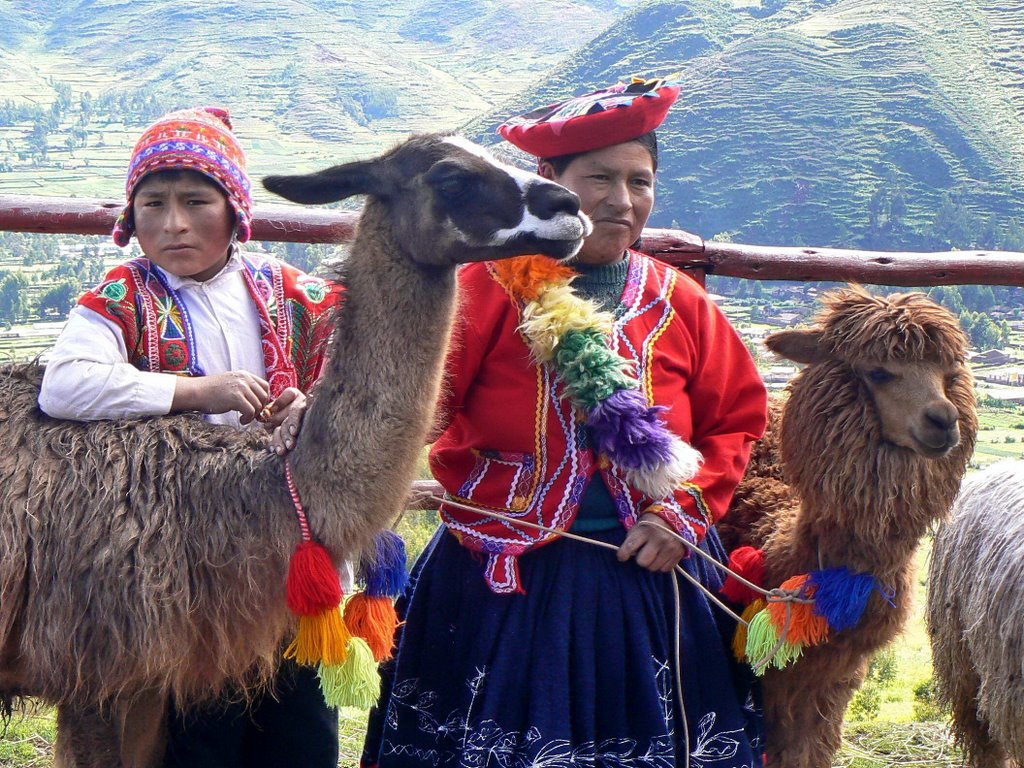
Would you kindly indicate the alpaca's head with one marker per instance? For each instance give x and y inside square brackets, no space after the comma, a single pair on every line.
[904,355]
[448,201]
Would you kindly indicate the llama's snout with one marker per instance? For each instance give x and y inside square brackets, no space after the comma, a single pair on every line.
[939,428]
[545,201]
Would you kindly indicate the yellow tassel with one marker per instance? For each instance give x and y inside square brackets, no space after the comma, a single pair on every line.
[557,312]
[323,638]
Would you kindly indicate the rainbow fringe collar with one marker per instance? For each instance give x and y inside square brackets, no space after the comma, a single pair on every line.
[574,336]
[777,632]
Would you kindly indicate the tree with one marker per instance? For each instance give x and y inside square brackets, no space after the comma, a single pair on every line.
[948,296]
[59,300]
[13,303]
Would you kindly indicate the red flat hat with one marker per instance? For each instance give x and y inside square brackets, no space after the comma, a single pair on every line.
[594,120]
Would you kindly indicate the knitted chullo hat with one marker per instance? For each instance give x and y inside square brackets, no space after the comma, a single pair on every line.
[594,120]
[198,139]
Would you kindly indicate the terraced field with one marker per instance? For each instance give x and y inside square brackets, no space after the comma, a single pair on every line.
[795,115]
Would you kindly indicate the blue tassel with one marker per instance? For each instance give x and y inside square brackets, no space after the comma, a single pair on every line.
[842,596]
[383,569]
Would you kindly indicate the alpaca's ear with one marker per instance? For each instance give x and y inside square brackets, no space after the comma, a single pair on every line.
[329,185]
[798,346]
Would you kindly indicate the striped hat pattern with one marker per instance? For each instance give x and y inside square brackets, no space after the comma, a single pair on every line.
[198,139]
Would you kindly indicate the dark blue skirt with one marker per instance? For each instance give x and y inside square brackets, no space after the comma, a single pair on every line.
[579,671]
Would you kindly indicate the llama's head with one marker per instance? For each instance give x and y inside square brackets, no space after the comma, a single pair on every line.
[902,354]
[447,201]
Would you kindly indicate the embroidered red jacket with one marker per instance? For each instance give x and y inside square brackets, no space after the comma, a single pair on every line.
[295,312]
[511,443]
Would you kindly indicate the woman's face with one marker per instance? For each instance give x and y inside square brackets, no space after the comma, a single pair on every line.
[616,189]
[184,223]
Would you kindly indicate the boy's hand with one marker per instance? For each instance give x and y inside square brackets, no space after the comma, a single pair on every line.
[655,548]
[284,416]
[231,391]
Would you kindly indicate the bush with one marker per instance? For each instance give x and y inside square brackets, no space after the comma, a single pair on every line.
[868,700]
[926,702]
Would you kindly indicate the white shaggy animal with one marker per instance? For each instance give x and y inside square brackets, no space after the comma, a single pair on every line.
[976,615]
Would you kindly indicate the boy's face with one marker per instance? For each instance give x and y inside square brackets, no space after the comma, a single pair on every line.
[184,223]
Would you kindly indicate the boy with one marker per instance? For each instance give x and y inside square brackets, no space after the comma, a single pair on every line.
[198,325]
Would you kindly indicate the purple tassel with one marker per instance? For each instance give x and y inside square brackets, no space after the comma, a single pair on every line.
[383,570]
[629,431]
[842,595]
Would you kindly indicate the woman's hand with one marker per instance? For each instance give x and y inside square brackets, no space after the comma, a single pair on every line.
[222,392]
[654,544]
[284,417]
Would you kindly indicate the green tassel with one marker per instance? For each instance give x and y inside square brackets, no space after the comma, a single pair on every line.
[787,654]
[591,370]
[762,637]
[355,683]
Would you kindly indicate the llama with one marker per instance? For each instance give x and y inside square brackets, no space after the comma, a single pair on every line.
[144,558]
[873,442]
[975,590]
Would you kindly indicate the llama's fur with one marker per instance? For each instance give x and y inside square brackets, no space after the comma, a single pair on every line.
[147,558]
[857,487]
[975,596]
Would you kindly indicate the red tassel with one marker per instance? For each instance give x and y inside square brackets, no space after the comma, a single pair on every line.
[748,563]
[313,584]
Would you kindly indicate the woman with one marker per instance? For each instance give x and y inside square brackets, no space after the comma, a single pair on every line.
[575,393]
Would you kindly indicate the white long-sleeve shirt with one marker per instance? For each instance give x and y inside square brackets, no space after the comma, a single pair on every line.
[88,376]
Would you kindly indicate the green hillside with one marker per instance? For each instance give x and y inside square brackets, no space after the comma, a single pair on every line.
[308,82]
[854,122]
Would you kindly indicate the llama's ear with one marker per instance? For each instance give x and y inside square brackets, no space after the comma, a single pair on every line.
[329,185]
[799,346]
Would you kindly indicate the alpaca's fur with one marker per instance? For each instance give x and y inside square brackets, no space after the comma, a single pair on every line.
[144,558]
[975,616]
[853,490]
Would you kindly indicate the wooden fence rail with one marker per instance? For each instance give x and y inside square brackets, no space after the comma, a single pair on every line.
[85,216]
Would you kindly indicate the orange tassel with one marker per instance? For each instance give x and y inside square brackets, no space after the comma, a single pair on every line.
[526,276]
[322,638]
[373,619]
[805,626]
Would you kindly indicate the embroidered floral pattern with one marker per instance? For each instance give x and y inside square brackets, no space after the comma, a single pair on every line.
[461,739]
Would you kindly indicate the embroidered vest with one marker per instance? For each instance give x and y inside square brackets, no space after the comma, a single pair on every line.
[295,313]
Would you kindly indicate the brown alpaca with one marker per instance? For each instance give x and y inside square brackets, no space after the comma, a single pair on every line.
[873,442]
[975,593]
[145,558]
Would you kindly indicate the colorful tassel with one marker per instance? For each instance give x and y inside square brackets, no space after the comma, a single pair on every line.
[526,277]
[346,666]
[374,620]
[805,626]
[749,563]
[384,569]
[355,683]
[320,638]
[762,637]
[841,596]
[313,585]
[786,654]
[739,639]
